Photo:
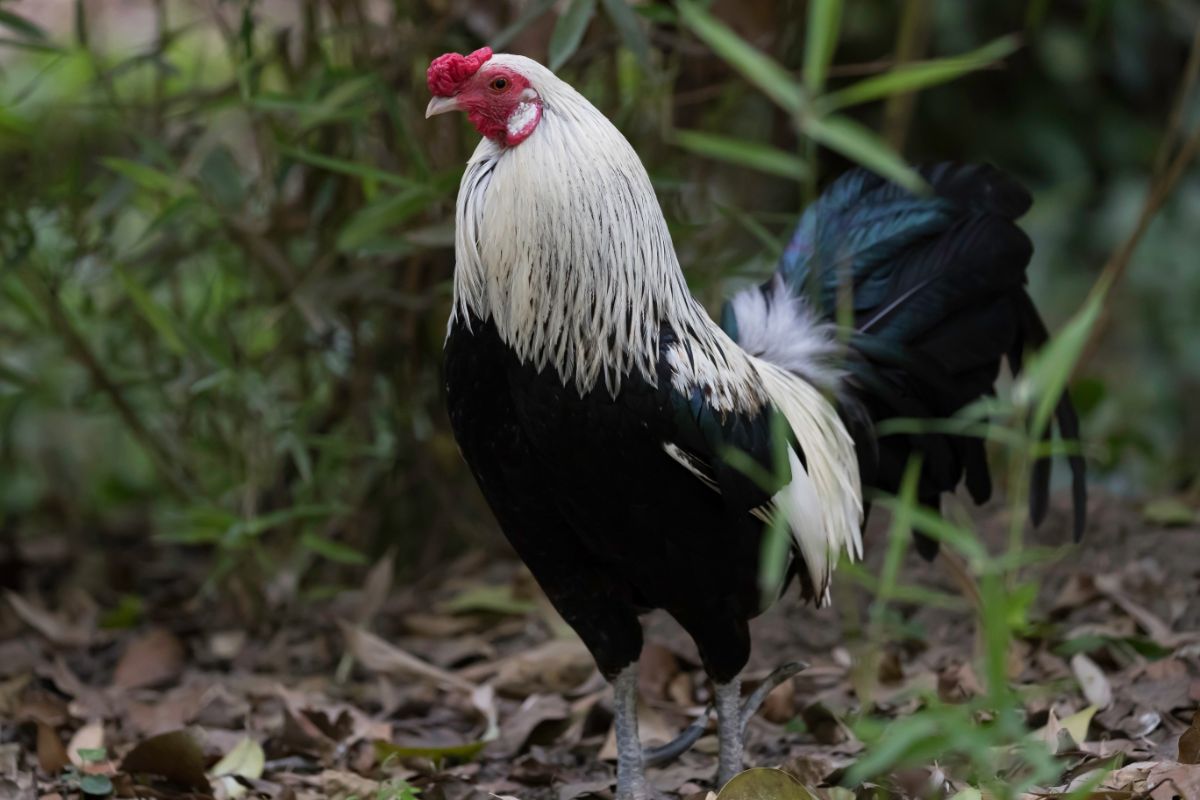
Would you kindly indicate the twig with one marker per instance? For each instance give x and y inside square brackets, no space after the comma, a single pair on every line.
[1190,72]
[911,41]
[1165,175]
[177,477]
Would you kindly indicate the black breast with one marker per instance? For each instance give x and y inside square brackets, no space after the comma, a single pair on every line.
[584,491]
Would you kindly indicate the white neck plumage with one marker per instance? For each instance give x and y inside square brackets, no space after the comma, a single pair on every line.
[561,243]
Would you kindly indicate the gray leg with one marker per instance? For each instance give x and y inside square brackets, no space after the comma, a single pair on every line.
[729,729]
[631,771]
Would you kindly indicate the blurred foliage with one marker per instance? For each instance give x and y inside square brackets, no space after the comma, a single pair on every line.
[226,229]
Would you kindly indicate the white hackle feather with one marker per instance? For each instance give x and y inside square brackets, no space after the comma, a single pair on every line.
[780,328]
[561,243]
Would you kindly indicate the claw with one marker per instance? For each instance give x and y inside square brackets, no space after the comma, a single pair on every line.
[666,753]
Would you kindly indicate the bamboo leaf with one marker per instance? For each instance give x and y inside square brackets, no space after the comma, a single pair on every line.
[145,176]
[157,316]
[531,13]
[328,548]
[630,29]
[569,30]
[919,75]
[377,218]
[755,66]
[744,153]
[19,25]
[824,23]
[343,167]
[864,147]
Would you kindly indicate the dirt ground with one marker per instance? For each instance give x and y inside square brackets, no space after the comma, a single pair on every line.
[464,684]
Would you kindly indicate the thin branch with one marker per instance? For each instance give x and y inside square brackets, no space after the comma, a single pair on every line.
[176,476]
[911,41]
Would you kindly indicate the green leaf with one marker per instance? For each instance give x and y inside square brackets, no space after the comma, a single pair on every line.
[744,153]
[19,25]
[220,174]
[145,176]
[95,785]
[381,216]
[626,21]
[755,66]
[864,147]
[265,522]
[334,551]
[824,22]
[528,16]
[159,318]
[919,75]
[1044,380]
[569,30]
[92,755]
[352,168]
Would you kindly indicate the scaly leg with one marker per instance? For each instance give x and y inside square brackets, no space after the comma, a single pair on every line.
[631,770]
[729,729]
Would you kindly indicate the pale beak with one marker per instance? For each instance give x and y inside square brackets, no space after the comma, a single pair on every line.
[440,105]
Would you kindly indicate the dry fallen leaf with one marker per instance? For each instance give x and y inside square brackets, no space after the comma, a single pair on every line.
[1169,781]
[377,655]
[559,665]
[54,628]
[245,760]
[764,784]
[89,737]
[1189,742]
[175,756]
[515,731]
[152,659]
[1092,680]
[52,756]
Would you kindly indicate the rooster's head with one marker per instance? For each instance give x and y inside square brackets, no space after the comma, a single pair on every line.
[499,100]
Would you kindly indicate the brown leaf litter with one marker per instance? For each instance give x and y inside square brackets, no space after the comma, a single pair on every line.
[466,686]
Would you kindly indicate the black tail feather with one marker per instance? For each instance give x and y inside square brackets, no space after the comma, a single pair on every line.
[939,301]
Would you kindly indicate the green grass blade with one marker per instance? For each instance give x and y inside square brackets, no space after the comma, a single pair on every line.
[1045,378]
[755,66]
[920,75]
[569,30]
[864,147]
[743,153]
[824,23]
[633,35]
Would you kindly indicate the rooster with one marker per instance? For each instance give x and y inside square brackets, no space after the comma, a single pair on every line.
[598,404]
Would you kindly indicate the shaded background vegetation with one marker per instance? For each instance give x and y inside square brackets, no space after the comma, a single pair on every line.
[225,241]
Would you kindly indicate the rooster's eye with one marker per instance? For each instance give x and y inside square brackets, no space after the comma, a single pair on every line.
[500,84]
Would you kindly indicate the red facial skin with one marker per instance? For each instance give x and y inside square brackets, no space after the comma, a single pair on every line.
[489,96]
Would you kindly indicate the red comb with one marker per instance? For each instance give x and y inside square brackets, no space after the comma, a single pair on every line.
[448,71]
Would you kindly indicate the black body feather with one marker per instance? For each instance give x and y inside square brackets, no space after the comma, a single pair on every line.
[938,303]
[607,522]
